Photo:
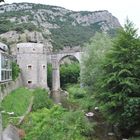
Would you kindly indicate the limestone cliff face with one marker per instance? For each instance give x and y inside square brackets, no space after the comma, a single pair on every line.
[89,18]
[52,25]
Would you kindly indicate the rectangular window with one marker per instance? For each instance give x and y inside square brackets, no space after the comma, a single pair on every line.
[29,82]
[6,67]
[2,75]
[10,74]
[29,67]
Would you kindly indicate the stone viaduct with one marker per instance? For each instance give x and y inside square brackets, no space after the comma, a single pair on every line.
[55,60]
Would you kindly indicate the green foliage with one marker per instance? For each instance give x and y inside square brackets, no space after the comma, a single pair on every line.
[69,35]
[131,113]
[41,99]
[49,75]
[93,58]
[25,26]
[5,26]
[47,7]
[136,138]
[17,102]
[76,92]
[17,14]
[55,124]
[15,70]
[69,73]
[79,98]
[115,78]
[121,81]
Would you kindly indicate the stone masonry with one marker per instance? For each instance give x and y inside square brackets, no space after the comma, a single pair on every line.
[32,61]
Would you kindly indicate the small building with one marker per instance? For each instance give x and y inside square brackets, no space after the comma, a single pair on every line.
[32,60]
[5,64]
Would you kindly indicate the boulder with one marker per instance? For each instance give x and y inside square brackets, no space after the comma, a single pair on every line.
[10,133]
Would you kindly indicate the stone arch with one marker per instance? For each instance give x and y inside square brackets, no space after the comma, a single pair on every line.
[56,59]
[62,58]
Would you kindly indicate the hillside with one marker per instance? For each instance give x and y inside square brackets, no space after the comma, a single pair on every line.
[52,25]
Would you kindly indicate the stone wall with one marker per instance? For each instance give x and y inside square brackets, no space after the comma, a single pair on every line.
[6,88]
[10,133]
[32,60]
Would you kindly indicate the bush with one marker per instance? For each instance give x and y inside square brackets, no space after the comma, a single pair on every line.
[79,98]
[41,99]
[5,26]
[131,114]
[76,92]
[56,124]
[69,74]
[25,26]
[15,70]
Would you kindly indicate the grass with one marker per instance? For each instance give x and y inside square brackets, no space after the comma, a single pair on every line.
[80,96]
[17,102]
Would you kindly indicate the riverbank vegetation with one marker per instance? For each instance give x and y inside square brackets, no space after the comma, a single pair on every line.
[46,119]
[111,73]
[15,105]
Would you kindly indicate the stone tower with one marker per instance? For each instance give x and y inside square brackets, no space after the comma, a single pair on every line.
[32,60]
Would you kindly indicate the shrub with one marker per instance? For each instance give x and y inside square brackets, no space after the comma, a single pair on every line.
[41,99]
[15,70]
[5,26]
[79,98]
[76,92]
[69,73]
[56,124]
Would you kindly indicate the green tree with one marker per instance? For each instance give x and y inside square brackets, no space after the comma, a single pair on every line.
[69,73]
[122,79]
[118,87]
[93,58]
[114,77]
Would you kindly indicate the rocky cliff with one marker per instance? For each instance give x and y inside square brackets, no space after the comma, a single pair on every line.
[54,26]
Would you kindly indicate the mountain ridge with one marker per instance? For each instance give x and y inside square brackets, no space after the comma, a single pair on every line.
[56,26]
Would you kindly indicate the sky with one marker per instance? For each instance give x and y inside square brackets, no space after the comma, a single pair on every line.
[119,8]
